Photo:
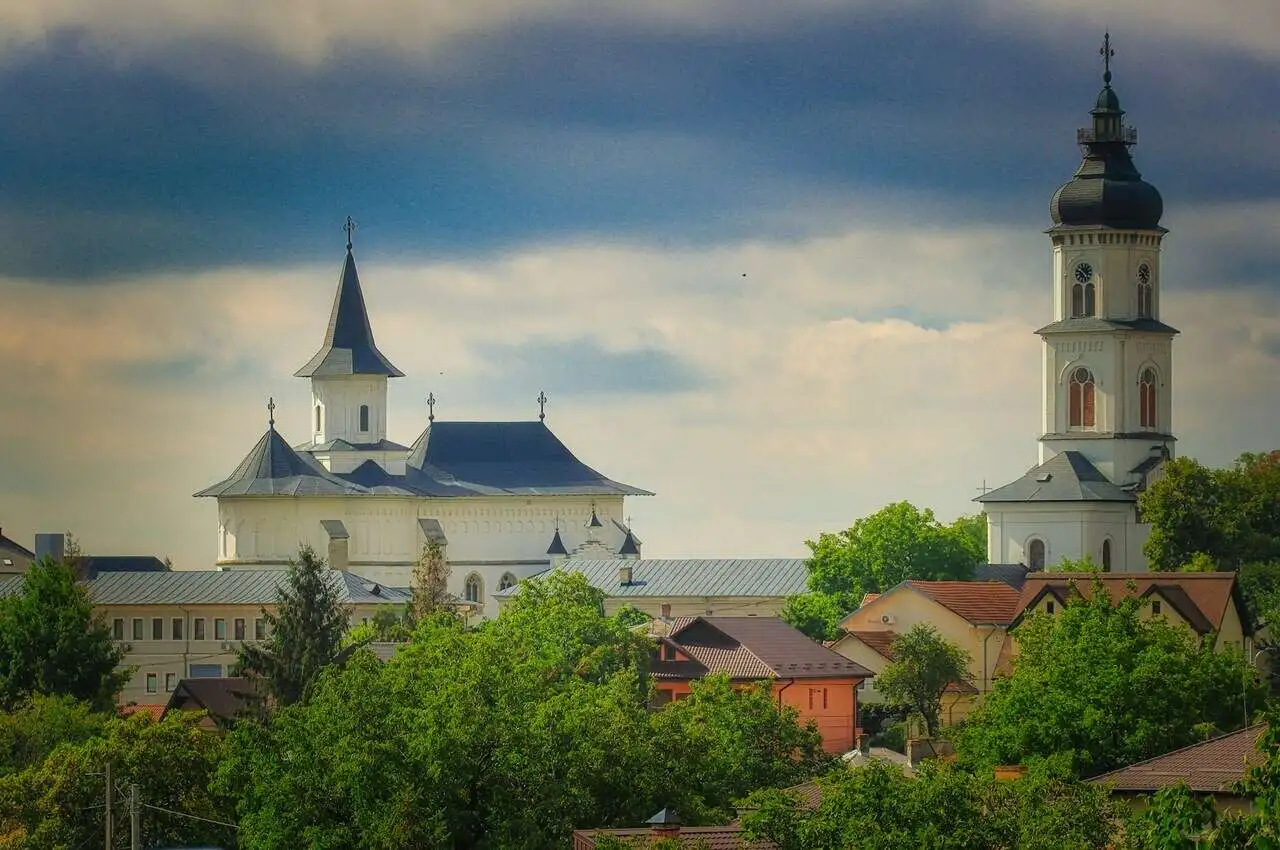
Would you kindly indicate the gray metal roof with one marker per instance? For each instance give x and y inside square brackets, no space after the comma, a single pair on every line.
[339,445]
[1014,575]
[670,578]
[1065,477]
[272,468]
[225,587]
[348,347]
[1095,324]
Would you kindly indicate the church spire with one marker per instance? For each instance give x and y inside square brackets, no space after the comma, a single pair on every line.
[348,347]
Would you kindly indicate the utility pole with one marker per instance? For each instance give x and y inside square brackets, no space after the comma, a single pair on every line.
[135,819]
[111,820]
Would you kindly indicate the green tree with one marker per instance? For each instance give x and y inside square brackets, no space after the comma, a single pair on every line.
[51,642]
[305,634]
[924,664]
[509,735]
[430,587]
[896,543]
[818,615]
[39,724]
[57,802]
[1102,686]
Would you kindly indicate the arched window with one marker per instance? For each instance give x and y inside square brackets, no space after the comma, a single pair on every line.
[1147,398]
[508,580]
[1080,400]
[474,588]
[1106,555]
[1083,300]
[1035,554]
[318,429]
[364,417]
[1144,291]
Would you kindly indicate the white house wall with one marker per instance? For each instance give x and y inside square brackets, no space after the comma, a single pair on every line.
[1069,530]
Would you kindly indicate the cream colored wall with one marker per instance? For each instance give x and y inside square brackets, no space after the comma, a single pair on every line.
[855,650]
[909,608]
[175,657]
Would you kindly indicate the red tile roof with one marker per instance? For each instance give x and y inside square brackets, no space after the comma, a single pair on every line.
[701,837]
[153,712]
[751,648]
[1210,594]
[1209,767]
[979,602]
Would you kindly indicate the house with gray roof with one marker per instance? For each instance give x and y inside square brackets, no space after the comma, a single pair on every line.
[722,587]
[501,498]
[14,557]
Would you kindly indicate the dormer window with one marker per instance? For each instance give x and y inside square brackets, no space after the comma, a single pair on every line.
[364,418]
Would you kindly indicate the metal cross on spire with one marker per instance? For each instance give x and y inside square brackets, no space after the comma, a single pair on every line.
[271,412]
[1106,52]
[542,406]
[350,227]
[431,407]
[984,489]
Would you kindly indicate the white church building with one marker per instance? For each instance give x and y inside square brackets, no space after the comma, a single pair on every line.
[1107,416]
[505,499]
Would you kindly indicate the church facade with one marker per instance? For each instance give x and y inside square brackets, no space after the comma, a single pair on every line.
[505,500]
[1107,415]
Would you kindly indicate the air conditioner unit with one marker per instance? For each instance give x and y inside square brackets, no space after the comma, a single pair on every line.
[227,645]
[887,619]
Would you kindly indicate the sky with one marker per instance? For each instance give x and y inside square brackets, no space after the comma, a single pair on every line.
[778,263]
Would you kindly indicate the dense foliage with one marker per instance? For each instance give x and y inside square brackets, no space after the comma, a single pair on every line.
[924,664]
[51,642]
[305,632]
[57,801]
[1100,686]
[880,551]
[879,807]
[509,735]
[36,727]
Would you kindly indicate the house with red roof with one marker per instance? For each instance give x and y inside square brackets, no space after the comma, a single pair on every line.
[820,684]
[974,615]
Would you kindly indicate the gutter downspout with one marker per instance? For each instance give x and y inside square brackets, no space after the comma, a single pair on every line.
[985,678]
[783,688]
[186,645]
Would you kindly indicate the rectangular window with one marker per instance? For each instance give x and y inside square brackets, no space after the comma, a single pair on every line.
[177,628]
[197,628]
[205,671]
[219,629]
[117,628]
[170,682]
[239,628]
[157,628]
[1155,606]
[151,683]
[137,628]
[259,628]
[1048,607]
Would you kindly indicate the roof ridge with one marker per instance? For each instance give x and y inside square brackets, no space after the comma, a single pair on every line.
[1256,728]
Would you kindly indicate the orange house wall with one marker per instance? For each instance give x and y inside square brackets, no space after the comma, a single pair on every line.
[837,721]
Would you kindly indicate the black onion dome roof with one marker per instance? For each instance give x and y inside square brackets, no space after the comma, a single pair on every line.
[1107,190]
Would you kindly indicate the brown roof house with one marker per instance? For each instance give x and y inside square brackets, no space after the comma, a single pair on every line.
[224,699]
[974,615]
[821,684]
[665,825]
[1210,768]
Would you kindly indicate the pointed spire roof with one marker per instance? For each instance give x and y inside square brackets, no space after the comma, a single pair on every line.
[629,545]
[348,347]
[595,520]
[557,545]
[272,468]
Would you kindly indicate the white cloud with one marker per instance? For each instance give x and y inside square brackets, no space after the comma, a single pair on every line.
[823,406]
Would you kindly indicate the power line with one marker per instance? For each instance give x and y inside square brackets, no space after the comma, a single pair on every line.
[185,815]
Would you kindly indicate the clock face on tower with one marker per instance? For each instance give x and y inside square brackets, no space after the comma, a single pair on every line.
[1084,272]
[1144,273]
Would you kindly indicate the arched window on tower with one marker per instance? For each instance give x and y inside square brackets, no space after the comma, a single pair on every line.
[1080,399]
[1106,555]
[318,428]
[508,580]
[1083,293]
[364,418]
[1147,398]
[1144,291]
[1035,554]
[474,589]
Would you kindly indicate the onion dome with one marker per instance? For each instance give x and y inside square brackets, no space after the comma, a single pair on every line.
[1107,190]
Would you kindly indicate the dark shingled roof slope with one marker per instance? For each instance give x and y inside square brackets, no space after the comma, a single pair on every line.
[502,458]
[348,347]
[1066,477]
[272,468]
[752,648]
[1210,767]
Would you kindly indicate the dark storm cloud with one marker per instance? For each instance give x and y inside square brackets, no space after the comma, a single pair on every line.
[213,155]
[583,367]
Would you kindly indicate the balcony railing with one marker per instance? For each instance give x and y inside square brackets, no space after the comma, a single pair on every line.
[1087,135]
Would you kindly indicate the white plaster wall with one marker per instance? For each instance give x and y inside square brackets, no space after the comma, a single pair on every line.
[1068,532]
[1115,257]
[339,399]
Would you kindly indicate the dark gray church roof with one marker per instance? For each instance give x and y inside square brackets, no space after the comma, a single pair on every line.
[1094,324]
[1065,477]
[348,347]
[340,445]
[273,469]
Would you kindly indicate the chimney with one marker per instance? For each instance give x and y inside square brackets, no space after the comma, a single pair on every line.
[52,545]
[624,575]
[665,611]
[338,544]
[665,824]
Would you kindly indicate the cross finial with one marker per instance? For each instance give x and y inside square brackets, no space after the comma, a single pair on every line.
[542,406]
[1106,53]
[984,489]
[271,413]
[431,407]
[350,227]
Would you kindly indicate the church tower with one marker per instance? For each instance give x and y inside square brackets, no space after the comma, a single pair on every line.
[348,374]
[1107,365]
